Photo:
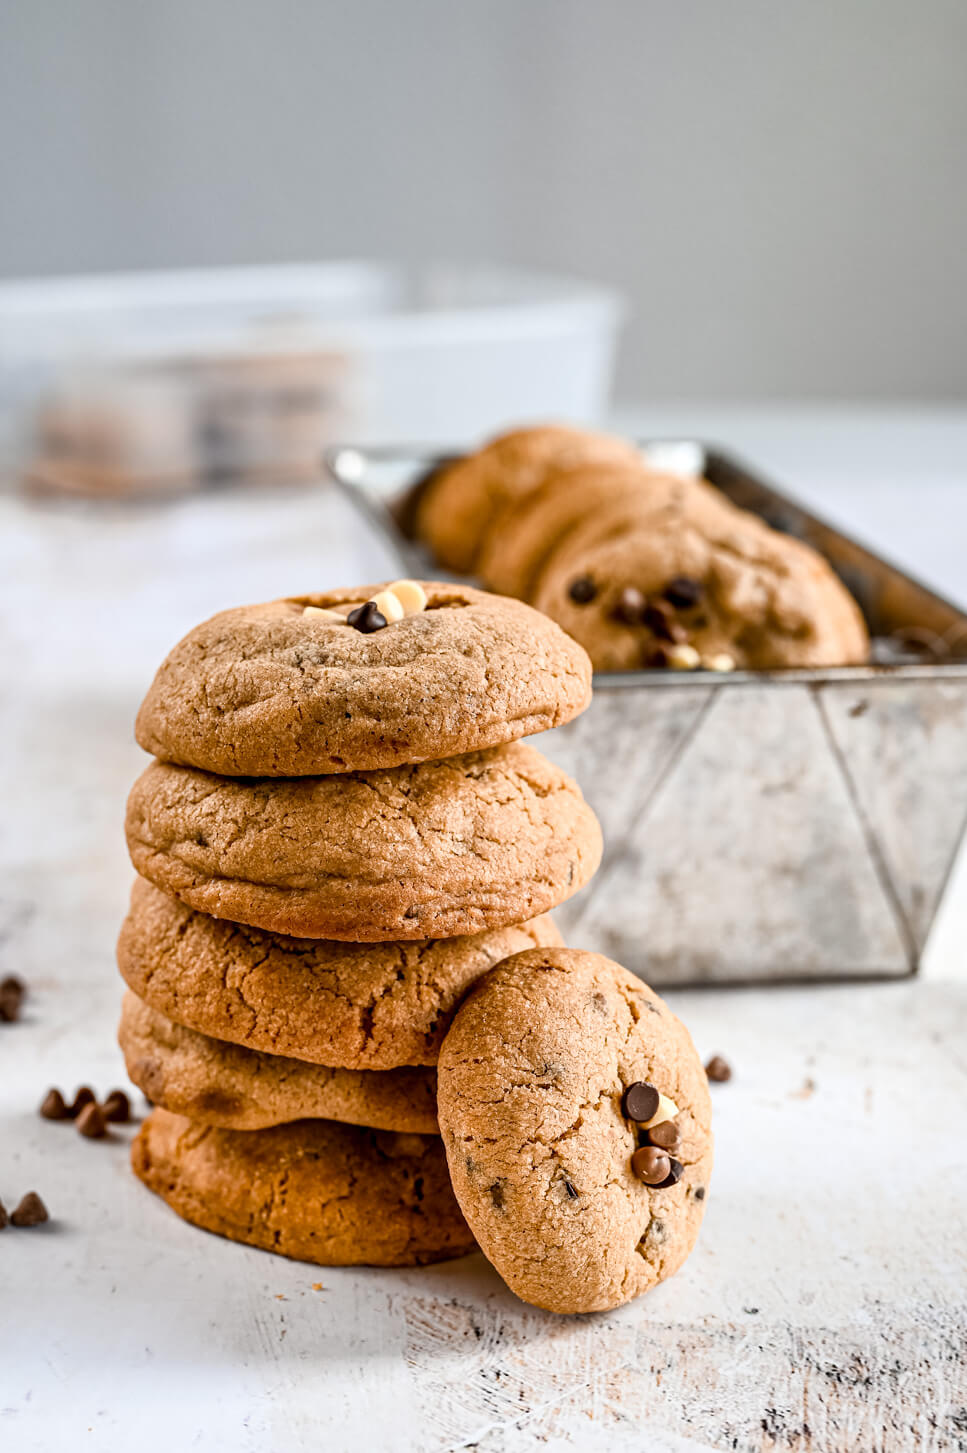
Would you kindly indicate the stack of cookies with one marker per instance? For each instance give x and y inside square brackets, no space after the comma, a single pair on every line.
[341,834]
[644,569]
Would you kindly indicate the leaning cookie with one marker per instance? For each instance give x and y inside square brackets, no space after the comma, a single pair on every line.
[429,851]
[460,502]
[337,1195]
[369,1007]
[223,1084]
[714,587]
[576,1119]
[292,688]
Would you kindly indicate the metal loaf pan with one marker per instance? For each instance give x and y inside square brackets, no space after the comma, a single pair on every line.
[760,826]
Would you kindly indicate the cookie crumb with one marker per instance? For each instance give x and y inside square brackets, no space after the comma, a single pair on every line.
[721,662]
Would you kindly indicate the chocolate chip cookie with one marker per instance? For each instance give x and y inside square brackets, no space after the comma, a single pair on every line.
[709,586]
[576,1118]
[223,1084]
[337,1195]
[292,688]
[463,500]
[363,1006]
[427,851]
[533,527]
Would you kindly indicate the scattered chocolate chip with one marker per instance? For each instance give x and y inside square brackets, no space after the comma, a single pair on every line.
[117,1107]
[630,607]
[666,1135]
[718,1069]
[572,1194]
[84,1096]
[367,618]
[682,592]
[54,1106]
[4,1218]
[30,1212]
[583,590]
[640,1101]
[655,660]
[658,619]
[651,1166]
[91,1122]
[675,1173]
[700,1193]
[12,992]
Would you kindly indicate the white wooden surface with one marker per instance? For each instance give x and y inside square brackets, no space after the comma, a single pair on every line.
[824,1307]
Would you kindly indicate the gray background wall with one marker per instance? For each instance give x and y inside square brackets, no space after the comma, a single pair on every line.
[779,185]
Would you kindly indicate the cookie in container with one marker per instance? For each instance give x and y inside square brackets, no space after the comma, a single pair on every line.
[761,825]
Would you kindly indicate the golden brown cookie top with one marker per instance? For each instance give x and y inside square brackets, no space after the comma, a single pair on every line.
[426,851]
[460,502]
[366,1006]
[291,688]
[712,585]
[547,1066]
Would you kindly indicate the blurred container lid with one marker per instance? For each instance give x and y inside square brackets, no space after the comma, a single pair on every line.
[369,350]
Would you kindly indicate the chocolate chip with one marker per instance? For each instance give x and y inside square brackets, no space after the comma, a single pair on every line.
[718,1069]
[666,1135]
[651,1165]
[117,1107]
[84,1096]
[4,1218]
[630,607]
[655,660]
[700,1193]
[91,1122]
[571,1190]
[54,1106]
[682,592]
[30,1212]
[367,618]
[12,992]
[640,1101]
[583,590]
[675,1172]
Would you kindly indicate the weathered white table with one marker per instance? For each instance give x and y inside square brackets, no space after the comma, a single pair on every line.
[824,1307]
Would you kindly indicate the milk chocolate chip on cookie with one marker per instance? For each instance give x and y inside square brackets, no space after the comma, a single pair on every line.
[353,680]
[576,1119]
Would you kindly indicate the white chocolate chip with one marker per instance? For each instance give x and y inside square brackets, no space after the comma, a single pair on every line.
[667,1110]
[411,596]
[324,615]
[682,658]
[722,662]
[388,603]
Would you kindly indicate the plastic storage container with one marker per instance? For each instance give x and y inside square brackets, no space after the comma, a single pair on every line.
[158,381]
